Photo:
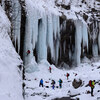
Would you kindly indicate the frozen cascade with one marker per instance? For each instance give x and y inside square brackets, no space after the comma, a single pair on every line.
[78,39]
[41,44]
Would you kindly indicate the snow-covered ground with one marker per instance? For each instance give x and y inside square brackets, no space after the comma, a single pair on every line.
[10,75]
[85,72]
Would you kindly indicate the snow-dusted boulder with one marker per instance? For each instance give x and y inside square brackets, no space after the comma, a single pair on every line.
[77,83]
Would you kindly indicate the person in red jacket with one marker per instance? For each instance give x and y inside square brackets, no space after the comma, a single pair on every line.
[28,52]
[50,69]
[67,75]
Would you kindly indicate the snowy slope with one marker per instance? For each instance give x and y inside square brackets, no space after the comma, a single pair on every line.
[86,71]
[10,75]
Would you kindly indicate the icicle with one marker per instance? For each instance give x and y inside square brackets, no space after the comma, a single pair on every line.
[85,35]
[58,39]
[78,39]
[55,25]
[50,41]
[34,27]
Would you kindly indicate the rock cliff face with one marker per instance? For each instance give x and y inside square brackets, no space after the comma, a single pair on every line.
[54,30]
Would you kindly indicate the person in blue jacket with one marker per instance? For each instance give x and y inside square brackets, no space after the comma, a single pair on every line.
[53,84]
[41,83]
[60,83]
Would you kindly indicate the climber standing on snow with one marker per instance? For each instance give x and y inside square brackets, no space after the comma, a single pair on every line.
[41,83]
[53,84]
[91,84]
[60,83]
[50,69]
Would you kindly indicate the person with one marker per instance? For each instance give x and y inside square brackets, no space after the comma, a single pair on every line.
[50,69]
[41,83]
[53,84]
[67,75]
[91,84]
[28,52]
[60,83]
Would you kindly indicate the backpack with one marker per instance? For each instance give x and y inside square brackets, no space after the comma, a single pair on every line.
[54,82]
[67,74]
[90,83]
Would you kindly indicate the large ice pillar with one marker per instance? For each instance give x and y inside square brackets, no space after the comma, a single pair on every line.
[27,41]
[29,59]
[41,43]
[78,39]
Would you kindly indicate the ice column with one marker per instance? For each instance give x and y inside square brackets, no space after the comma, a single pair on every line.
[41,44]
[78,39]
[29,59]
